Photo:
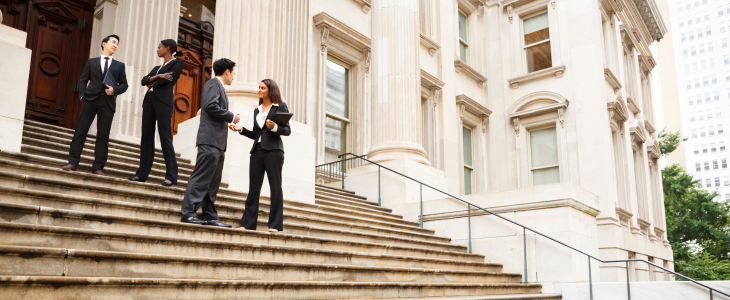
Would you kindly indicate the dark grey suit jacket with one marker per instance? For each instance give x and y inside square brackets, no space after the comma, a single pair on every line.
[214,116]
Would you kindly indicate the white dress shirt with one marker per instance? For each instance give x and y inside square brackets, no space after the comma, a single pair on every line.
[261,118]
[103,62]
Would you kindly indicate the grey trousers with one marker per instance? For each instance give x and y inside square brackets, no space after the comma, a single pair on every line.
[204,183]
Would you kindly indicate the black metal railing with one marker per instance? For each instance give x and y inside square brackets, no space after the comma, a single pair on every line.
[337,171]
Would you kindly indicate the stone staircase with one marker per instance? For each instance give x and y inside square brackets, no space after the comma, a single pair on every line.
[73,235]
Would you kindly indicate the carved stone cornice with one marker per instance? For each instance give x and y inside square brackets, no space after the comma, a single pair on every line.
[557,71]
[649,127]
[612,80]
[654,151]
[430,44]
[430,81]
[343,32]
[618,109]
[628,36]
[653,21]
[659,232]
[644,226]
[637,134]
[624,216]
[632,106]
[539,111]
[462,66]
[365,5]
[472,106]
[646,62]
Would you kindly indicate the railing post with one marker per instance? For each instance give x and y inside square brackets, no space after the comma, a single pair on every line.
[379,204]
[421,217]
[628,287]
[590,278]
[469,209]
[524,248]
[342,173]
[710,294]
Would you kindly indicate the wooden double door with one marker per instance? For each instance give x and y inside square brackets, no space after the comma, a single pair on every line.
[58,33]
[196,41]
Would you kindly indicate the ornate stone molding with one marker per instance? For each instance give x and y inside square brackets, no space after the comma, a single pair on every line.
[637,134]
[612,80]
[324,34]
[646,62]
[618,109]
[539,111]
[644,226]
[632,106]
[571,203]
[343,32]
[624,216]
[367,62]
[430,44]
[628,36]
[183,9]
[557,71]
[659,232]
[649,12]
[473,106]
[462,66]
[365,5]
[649,127]
[430,81]
[654,151]
[510,13]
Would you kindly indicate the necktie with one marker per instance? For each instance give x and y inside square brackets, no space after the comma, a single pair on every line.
[106,65]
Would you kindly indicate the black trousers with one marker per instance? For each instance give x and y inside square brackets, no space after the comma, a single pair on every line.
[156,111]
[204,183]
[271,162]
[101,109]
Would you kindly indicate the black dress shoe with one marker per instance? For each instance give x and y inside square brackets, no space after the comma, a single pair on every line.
[218,223]
[135,179]
[167,184]
[193,220]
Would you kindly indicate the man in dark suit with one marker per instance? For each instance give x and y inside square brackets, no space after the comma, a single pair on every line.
[211,142]
[101,81]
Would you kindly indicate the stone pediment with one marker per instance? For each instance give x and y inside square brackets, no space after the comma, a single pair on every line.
[638,134]
[654,150]
[537,103]
[343,32]
[618,109]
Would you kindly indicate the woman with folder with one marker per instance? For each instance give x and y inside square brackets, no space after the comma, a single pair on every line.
[267,155]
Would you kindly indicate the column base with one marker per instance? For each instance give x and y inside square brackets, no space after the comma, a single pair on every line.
[388,151]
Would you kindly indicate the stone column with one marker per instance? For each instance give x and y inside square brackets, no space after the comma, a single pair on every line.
[13,86]
[267,39]
[396,84]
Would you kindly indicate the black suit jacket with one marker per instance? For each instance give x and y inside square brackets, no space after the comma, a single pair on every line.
[214,116]
[269,140]
[93,82]
[165,89]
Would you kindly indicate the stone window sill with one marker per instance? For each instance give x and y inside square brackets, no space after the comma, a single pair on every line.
[462,66]
[612,80]
[557,71]
[430,44]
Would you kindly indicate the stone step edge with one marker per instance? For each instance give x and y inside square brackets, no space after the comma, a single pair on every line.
[94,216]
[90,145]
[359,203]
[155,209]
[334,188]
[486,297]
[43,127]
[93,233]
[98,254]
[115,281]
[51,145]
[320,211]
[54,154]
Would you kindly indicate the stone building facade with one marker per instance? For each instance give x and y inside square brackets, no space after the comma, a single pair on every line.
[539,110]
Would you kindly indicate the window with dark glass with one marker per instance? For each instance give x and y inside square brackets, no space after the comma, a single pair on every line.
[537,42]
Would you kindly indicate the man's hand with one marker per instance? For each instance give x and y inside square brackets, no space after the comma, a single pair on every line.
[236,119]
[234,127]
[150,85]
[109,90]
[270,124]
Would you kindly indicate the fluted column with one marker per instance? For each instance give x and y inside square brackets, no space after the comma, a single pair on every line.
[396,84]
[267,39]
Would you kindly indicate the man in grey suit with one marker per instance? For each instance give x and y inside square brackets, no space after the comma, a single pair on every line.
[211,142]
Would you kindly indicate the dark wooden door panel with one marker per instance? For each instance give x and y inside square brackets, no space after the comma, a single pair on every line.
[195,39]
[15,12]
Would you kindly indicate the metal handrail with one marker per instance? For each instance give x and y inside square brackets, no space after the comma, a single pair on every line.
[469,204]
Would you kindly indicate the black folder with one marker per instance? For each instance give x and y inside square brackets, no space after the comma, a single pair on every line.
[282,118]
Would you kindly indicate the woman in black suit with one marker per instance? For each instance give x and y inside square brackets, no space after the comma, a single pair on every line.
[157,108]
[267,156]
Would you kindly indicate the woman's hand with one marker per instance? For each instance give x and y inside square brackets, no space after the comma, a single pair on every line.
[270,124]
[233,127]
[166,76]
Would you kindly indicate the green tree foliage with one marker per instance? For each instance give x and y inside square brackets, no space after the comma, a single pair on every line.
[704,266]
[668,141]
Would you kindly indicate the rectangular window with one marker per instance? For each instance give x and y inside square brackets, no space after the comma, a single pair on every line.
[712,131]
[726,59]
[716,95]
[697,150]
[708,30]
[686,69]
[708,182]
[697,167]
[709,47]
[704,149]
[707,166]
[707,97]
[694,133]
[714,78]
[719,128]
[537,42]
[684,53]
[692,119]
[337,114]
[702,49]
[724,43]
[705,80]
[722,146]
[712,62]
[726,181]
[468,167]
[463,37]
[695,68]
[544,156]
[713,148]
[704,64]
[693,50]
[702,132]
[714,165]
[724,163]
[689,84]
[684,37]
[697,82]
[702,117]
[691,102]
[717,181]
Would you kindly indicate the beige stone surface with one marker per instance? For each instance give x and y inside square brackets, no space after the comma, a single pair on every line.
[13,86]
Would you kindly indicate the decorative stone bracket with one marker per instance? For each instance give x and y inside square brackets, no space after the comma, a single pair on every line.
[612,80]
[557,71]
[343,32]
[462,66]
[632,106]
[365,5]
[624,216]
[430,44]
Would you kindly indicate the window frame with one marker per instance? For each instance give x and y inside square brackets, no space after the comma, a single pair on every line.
[529,152]
[464,166]
[458,35]
[522,39]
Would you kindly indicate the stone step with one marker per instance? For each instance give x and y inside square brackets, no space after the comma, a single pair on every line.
[65,287]
[124,165]
[77,183]
[348,202]
[198,240]
[322,186]
[41,261]
[168,209]
[488,297]
[331,190]
[159,226]
[31,139]
[67,134]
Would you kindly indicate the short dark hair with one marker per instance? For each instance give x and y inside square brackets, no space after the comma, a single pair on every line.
[220,66]
[106,39]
